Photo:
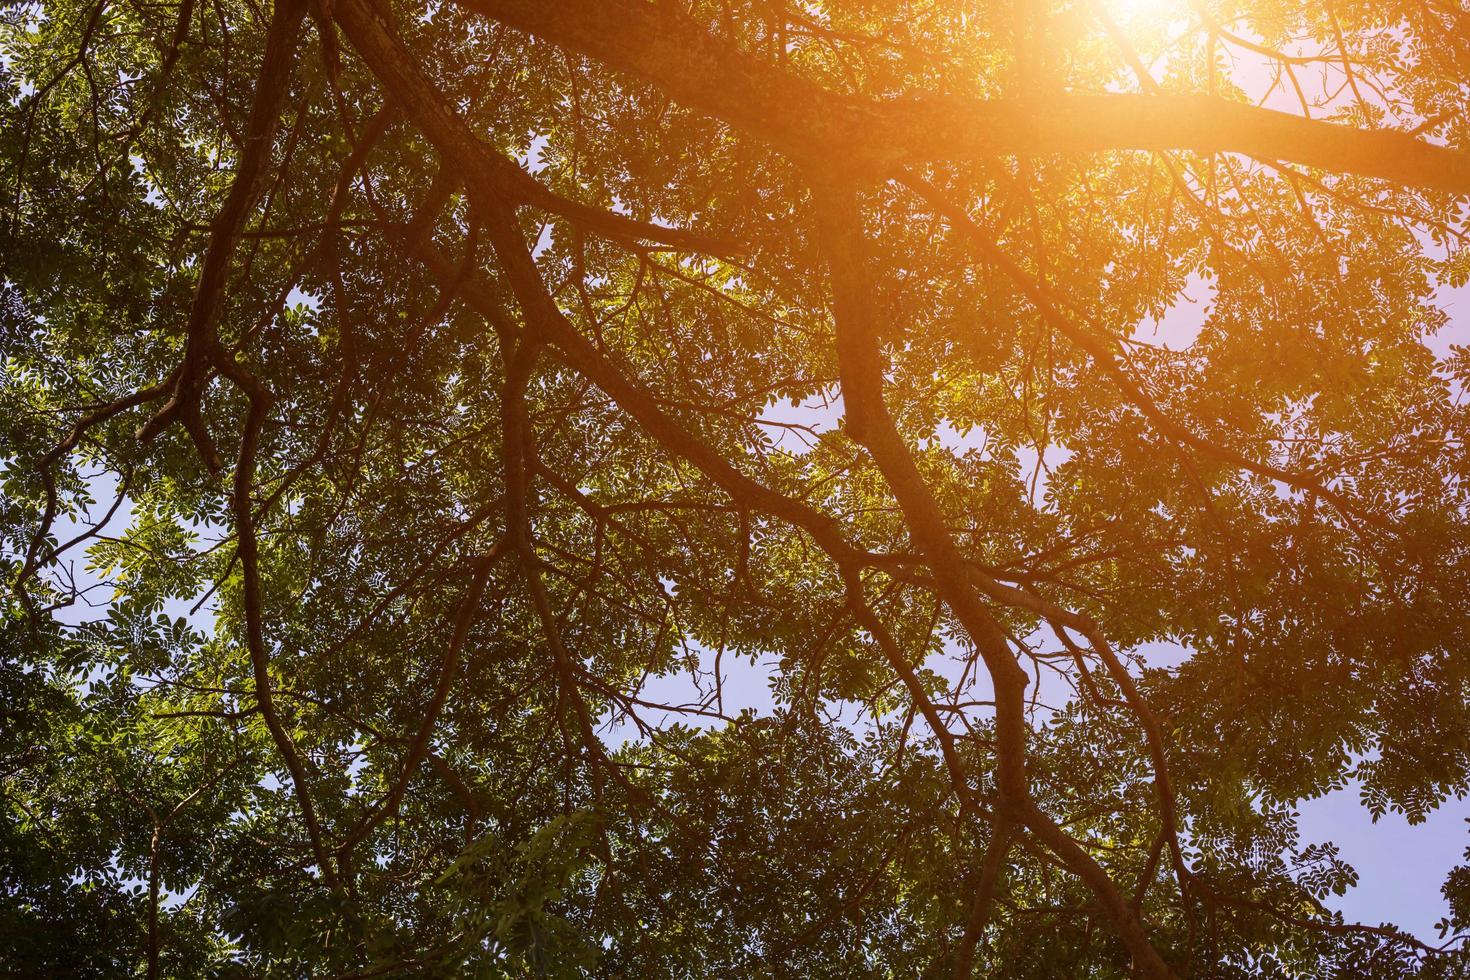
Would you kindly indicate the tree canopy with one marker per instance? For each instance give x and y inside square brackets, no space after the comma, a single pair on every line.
[414,414]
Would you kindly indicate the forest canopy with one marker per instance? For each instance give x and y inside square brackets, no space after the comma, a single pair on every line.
[417,420]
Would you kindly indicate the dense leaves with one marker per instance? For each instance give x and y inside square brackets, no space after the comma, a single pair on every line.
[716,489]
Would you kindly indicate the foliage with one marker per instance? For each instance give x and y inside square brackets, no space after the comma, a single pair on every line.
[413,415]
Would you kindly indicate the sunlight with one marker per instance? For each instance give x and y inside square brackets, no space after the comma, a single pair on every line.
[1132,11]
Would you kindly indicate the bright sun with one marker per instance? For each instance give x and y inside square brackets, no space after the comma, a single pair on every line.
[1135,10]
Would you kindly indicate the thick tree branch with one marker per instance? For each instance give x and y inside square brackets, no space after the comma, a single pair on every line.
[991,869]
[518,451]
[662,44]
[546,323]
[869,422]
[243,508]
[368,27]
[202,349]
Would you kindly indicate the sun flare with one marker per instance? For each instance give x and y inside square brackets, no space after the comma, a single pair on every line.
[1143,11]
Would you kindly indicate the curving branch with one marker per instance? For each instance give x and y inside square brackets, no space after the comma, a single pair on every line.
[664,45]
[992,867]
[202,349]
[369,28]
[861,366]
[518,441]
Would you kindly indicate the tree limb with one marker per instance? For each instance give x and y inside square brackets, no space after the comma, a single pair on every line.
[664,45]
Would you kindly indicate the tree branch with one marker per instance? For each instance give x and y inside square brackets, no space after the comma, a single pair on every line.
[662,44]
[368,27]
[202,349]
[869,422]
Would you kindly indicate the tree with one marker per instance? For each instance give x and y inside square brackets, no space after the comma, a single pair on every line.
[422,391]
